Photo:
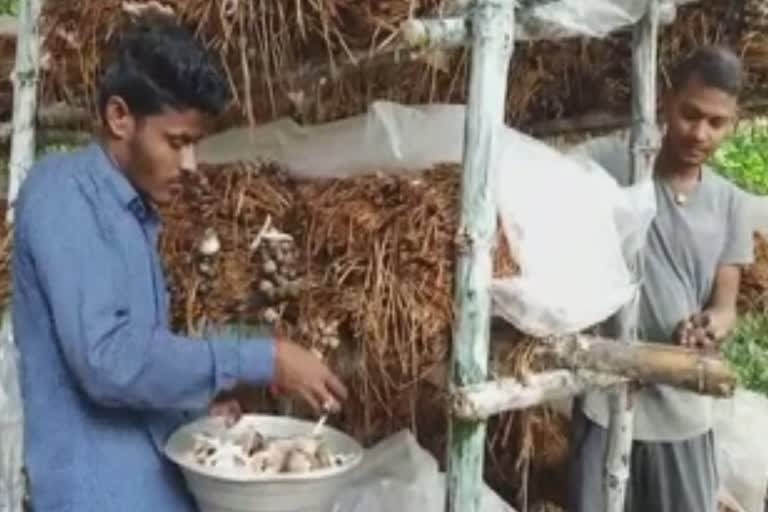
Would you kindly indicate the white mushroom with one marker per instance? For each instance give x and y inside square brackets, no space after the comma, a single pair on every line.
[308,445]
[210,244]
[269,267]
[267,288]
[298,462]
[271,315]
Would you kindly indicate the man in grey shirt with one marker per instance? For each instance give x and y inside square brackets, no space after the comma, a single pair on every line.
[694,251]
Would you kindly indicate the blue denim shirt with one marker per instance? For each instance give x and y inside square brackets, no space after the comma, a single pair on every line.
[104,381]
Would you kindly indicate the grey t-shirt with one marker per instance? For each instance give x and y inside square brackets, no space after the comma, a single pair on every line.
[685,244]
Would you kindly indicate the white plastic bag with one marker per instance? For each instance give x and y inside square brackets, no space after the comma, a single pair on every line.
[566,18]
[11,424]
[742,447]
[398,475]
[554,19]
[571,224]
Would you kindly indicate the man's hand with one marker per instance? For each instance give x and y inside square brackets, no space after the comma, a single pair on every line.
[703,331]
[299,372]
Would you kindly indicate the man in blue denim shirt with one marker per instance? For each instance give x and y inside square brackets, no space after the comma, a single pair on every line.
[104,381]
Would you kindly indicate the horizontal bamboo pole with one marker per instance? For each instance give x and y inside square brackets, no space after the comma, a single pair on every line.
[436,33]
[481,401]
[645,362]
[592,362]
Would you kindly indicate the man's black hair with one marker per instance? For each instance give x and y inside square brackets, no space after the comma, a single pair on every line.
[713,66]
[158,64]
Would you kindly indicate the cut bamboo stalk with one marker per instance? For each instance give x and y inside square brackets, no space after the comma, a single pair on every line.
[646,363]
[25,79]
[437,33]
[481,401]
[643,147]
[588,363]
[492,26]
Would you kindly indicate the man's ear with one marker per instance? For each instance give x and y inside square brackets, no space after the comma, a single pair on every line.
[119,122]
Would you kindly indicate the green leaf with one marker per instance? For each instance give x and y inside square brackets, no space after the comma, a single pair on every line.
[743,158]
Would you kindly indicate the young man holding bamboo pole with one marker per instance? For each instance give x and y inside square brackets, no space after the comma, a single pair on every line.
[696,246]
[104,380]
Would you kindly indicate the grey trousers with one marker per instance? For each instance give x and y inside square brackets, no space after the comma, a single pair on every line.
[664,477]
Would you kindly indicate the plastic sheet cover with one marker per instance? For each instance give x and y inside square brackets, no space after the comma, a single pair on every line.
[399,475]
[557,19]
[547,19]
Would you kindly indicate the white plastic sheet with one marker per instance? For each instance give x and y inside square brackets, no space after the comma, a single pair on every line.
[555,19]
[11,425]
[740,426]
[398,475]
[569,223]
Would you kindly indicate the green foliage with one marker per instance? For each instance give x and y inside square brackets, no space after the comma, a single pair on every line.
[747,351]
[743,158]
[9,7]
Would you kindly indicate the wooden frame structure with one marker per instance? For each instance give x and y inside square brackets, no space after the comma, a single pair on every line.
[489,28]
[589,362]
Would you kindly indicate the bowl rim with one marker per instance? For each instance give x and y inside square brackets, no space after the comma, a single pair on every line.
[233,476]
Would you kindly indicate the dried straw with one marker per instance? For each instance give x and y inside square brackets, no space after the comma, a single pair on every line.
[753,294]
[377,256]
[325,59]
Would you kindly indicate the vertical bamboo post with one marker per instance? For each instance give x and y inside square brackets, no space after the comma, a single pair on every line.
[11,423]
[492,30]
[25,79]
[643,148]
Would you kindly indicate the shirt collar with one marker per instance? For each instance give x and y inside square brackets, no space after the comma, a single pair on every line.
[122,190]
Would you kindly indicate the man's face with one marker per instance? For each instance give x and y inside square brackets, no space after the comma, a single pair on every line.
[156,149]
[161,149]
[698,118]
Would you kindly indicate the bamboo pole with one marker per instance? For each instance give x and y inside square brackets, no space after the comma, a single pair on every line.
[482,401]
[643,362]
[492,30]
[581,363]
[644,144]
[25,79]
[11,423]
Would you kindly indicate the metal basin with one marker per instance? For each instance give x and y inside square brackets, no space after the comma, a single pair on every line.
[233,491]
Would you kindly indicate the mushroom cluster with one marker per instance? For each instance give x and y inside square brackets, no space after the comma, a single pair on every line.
[322,336]
[243,448]
[277,259]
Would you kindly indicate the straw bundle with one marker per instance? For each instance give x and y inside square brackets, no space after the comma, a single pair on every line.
[375,262]
[327,59]
[753,294]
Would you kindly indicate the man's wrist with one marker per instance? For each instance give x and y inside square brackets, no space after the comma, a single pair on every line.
[721,322]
